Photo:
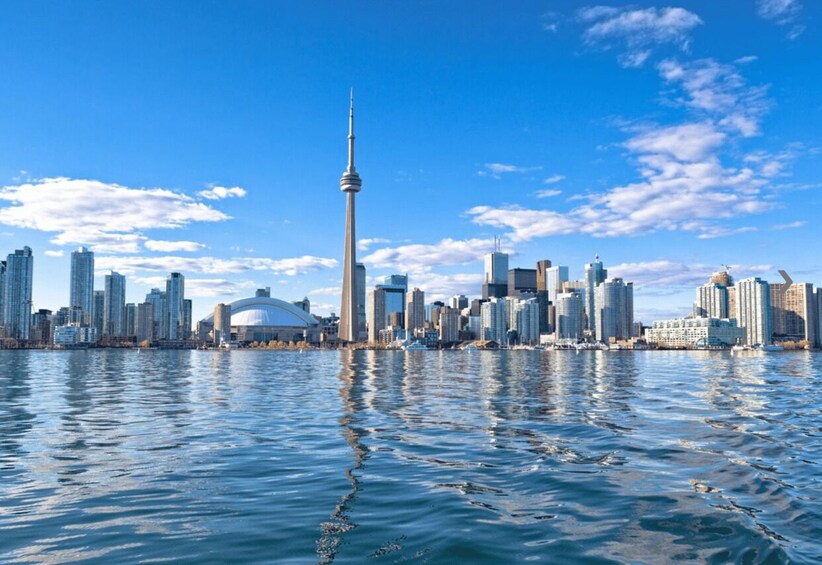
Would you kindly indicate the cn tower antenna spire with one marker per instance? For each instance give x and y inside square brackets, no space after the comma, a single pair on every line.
[351,134]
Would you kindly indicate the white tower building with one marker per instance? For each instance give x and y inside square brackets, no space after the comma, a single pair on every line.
[350,184]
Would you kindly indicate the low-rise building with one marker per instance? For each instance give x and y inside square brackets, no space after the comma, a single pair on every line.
[695,332]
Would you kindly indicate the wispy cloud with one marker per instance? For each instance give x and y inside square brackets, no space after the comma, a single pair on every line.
[419,258]
[637,32]
[109,217]
[326,291]
[213,265]
[548,193]
[550,21]
[496,170]
[53,252]
[553,179]
[791,225]
[782,12]
[221,192]
[365,243]
[172,246]
[203,287]
[667,273]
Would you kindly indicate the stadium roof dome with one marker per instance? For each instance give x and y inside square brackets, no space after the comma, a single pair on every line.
[264,311]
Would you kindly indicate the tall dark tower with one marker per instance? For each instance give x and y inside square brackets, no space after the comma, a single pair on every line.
[350,184]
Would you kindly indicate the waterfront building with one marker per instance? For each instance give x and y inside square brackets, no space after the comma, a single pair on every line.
[753,310]
[731,301]
[131,319]
[527,321]
[157,299]
[81,291]
[17,294]
[361,318]
[695,332]
[144,330]
[98,311]
[819,317]
[114,323]
[595,274]
[511,312]
[570,316]
[2,294]
[544,304]
[41,327]
[264,319]
[793,310]
[496,275]
[415,310]
[711,301]
[222,323]
[475,326]
[614,310]
[350,184]
[521,281]
[377,319]
[449,326]
[186,326]
[492,325]
[174,308]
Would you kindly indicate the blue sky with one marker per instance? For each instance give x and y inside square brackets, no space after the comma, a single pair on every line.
[209,137]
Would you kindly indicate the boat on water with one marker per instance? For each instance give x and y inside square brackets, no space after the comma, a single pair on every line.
[770,347]
[415,347]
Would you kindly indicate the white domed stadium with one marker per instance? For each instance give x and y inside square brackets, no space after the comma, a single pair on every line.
[262,318]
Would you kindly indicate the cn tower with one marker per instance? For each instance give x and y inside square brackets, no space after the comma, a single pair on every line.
[350,184]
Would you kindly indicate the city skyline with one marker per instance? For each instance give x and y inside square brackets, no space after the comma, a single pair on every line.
[568,133]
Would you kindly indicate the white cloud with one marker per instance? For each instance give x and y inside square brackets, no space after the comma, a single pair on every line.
[548,193]
[53,253]
[791,225]
[106,216]
[213,265]
[553,179]
[172,246]
[441,286]
[204,288]
[636,32]
[365,243]
[422,257]
[550,21]
[326,291]
[668,274]
[782,12]
[221,192]
[687,142]
[718,91]
[496,170]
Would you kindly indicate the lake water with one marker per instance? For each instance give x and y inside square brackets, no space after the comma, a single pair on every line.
[380,457]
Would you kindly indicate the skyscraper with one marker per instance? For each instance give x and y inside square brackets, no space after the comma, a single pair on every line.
[98,312]
[396,287]
[17,294]
[185,326]
[712,301]
[554,277]
[521,280]
[145,322]
[174,312]
[81,293]
[2,292]
[350,184]
[594,275]
[496,275]
[157,299]
[542,266]
[377,319]
[614,310]
[753,310]
[570,315]
[493,320]
[114,307]
[415,311]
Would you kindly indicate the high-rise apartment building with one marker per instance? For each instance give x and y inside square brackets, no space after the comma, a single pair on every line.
[415,311]
[614,310]
[449,326]
[377,319]
[114,307]
[595,274]
[17,294]
[395,287]
[527,321]
[712,301]
[753,310]
[131,319]
[570,316]
[81,291]
[157,299]
[361,319]
[492,322]
[793,310]
[174,312]
[555,277]
[98,312]
[2,293]
[458,302]
[145,322]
